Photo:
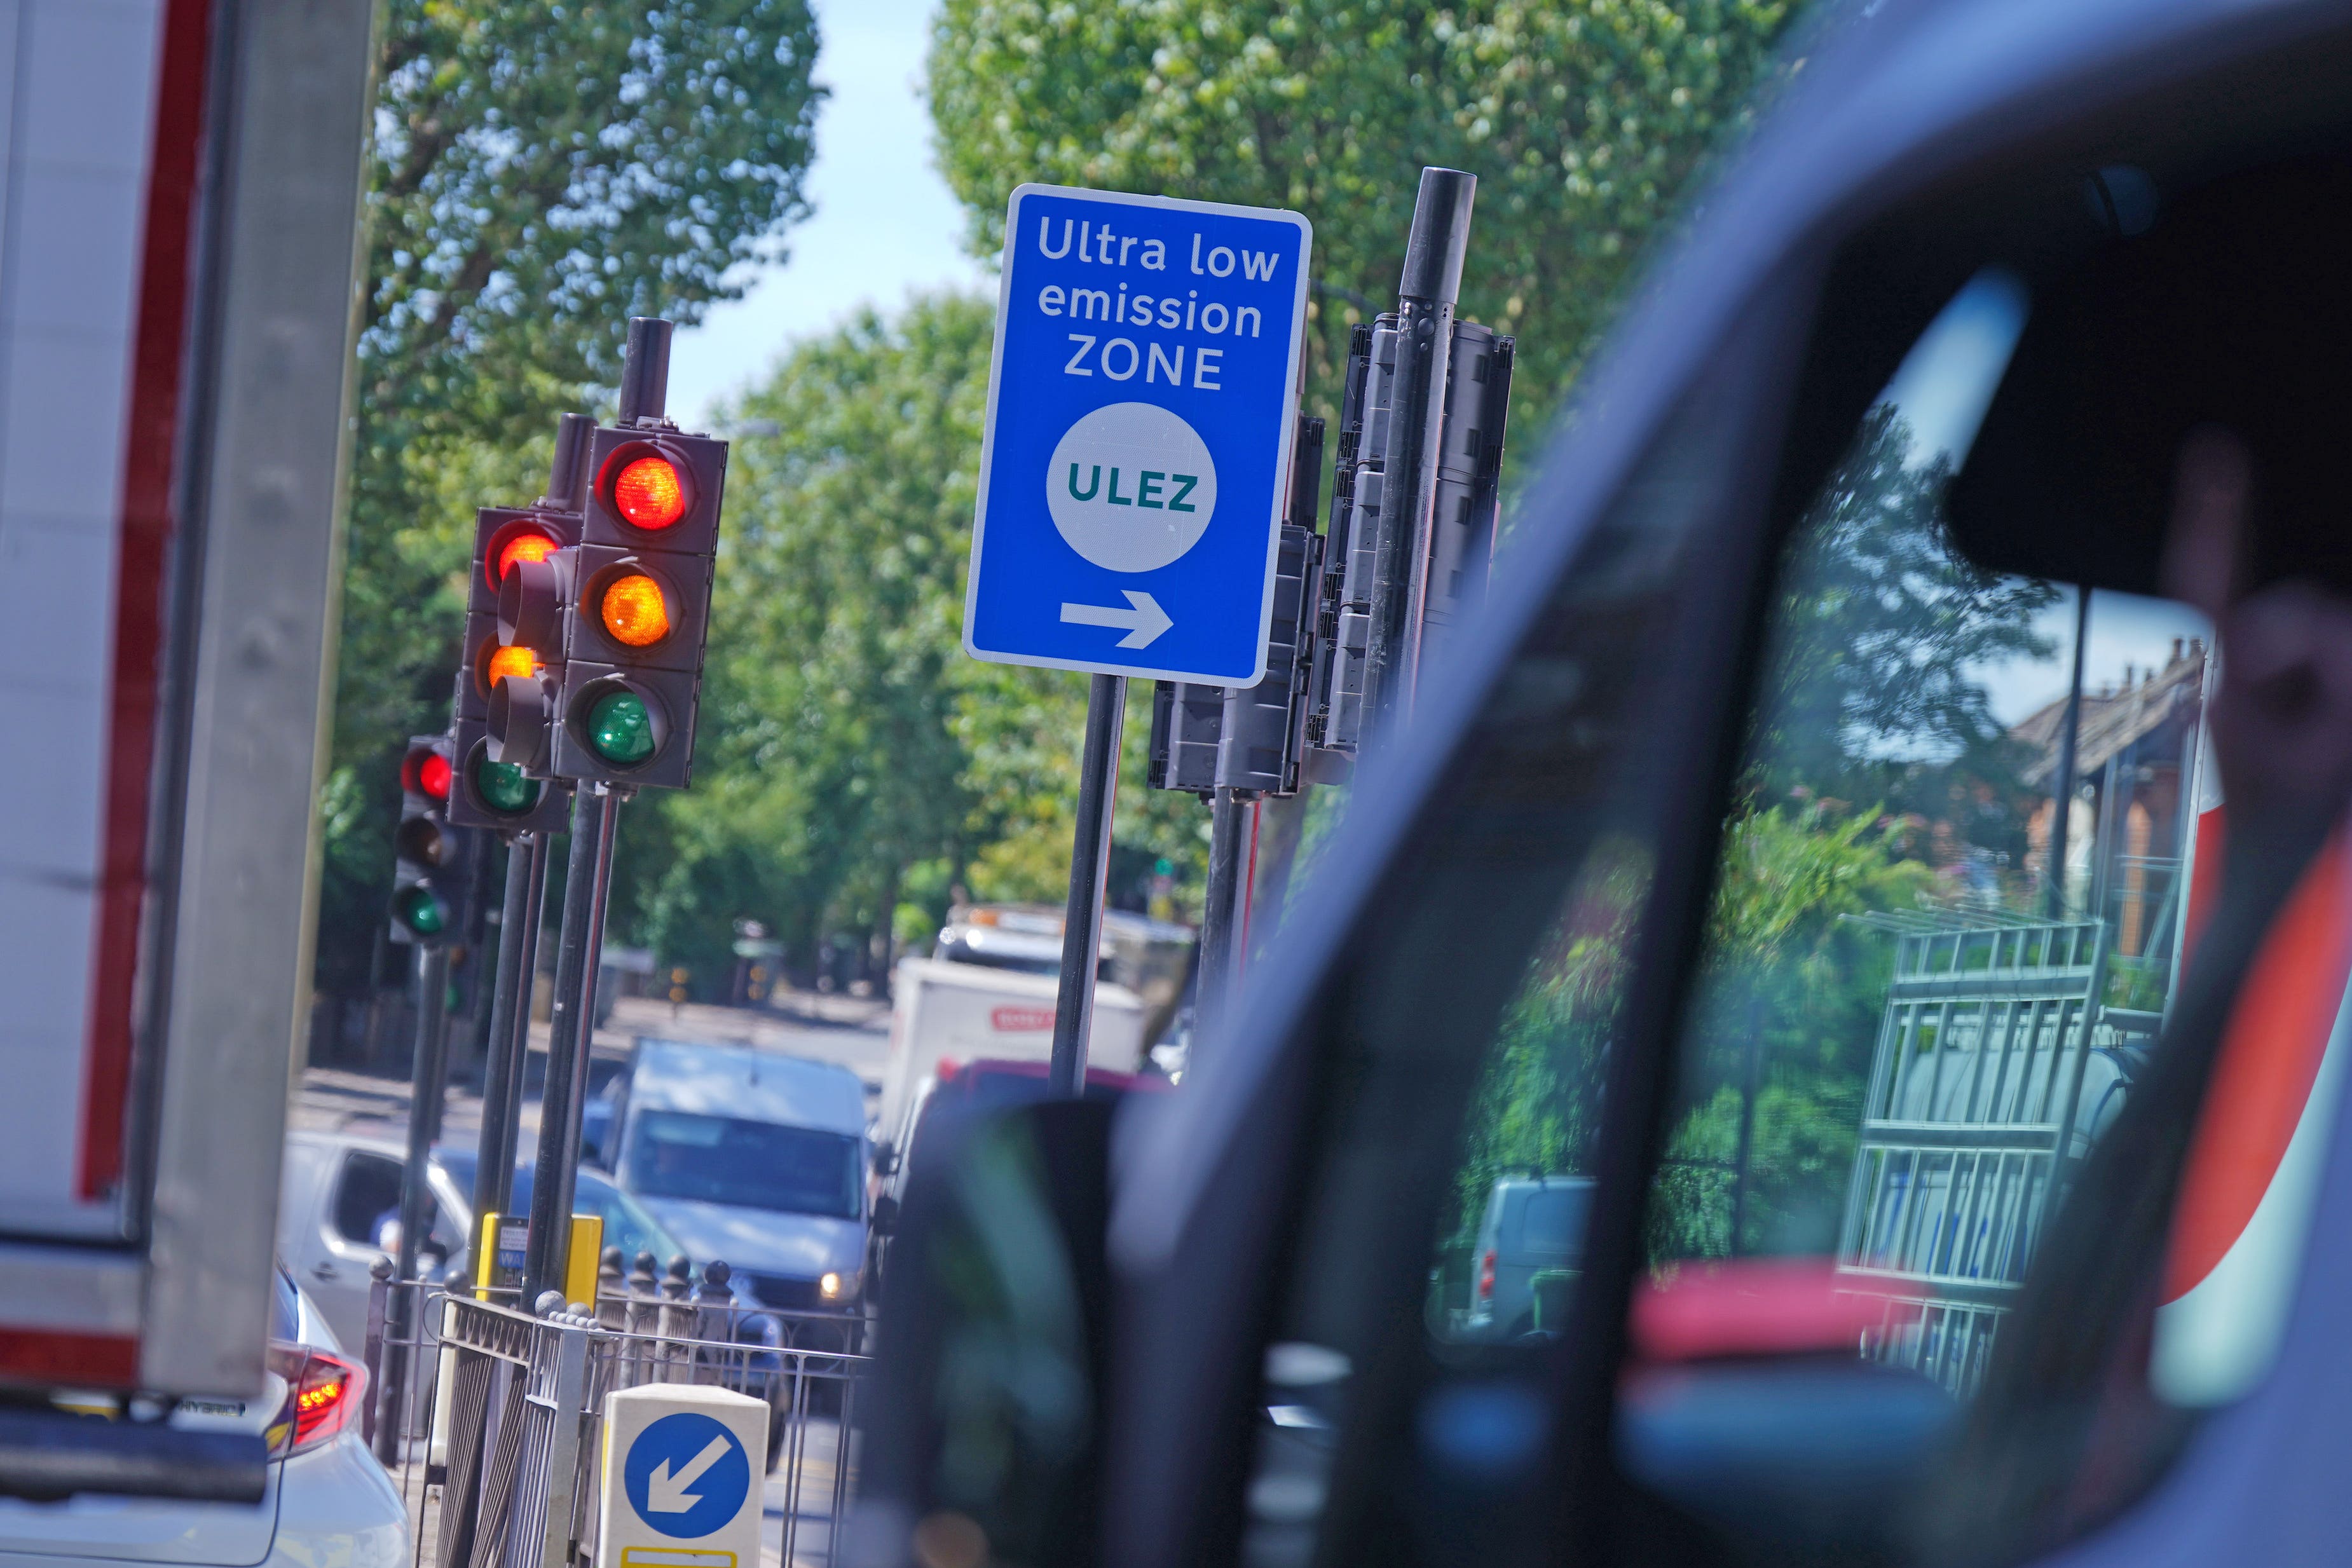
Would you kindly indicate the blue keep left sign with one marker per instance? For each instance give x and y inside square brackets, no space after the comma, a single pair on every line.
[1141,410]
[687,1475]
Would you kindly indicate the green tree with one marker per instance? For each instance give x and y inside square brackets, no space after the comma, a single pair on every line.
[1583,121]
[828,765]
[539,174]
[1883,632]
[853,763]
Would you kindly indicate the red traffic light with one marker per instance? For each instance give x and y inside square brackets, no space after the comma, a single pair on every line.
[520,539]
[649,493]
[424,771]
[525,546]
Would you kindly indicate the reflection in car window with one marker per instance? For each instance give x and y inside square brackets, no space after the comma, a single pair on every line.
[757,1164]
[1947,913]
[1475,1034]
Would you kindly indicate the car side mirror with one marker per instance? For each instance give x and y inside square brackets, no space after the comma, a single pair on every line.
[996,1317]
[886,1215]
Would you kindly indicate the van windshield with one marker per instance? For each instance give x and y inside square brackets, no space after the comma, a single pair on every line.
[753,1165]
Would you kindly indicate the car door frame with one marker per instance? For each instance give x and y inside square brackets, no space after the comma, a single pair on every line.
[1208,1187]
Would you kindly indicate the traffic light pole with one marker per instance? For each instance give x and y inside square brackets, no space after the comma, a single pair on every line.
[1221,908]
[1434,252]
[506,1044]
[425,1085]
[1074,1004]
[595,809]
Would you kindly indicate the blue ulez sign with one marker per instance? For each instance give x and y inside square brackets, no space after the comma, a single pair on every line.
[1140,412]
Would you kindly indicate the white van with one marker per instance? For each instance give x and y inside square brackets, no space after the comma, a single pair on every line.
[751,1156]
[964,1012]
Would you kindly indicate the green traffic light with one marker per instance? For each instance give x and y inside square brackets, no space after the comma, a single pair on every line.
[504,788]
[621,729]
[418,908]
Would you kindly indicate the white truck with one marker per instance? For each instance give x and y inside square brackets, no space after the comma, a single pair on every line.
[180,188]
[965,1012]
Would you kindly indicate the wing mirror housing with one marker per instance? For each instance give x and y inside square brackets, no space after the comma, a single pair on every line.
[999,1268]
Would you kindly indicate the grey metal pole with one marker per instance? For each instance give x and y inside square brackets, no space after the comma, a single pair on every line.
[1432,281]
[424,1086]
[645,373]
[2062,784]
[1219,911]
[548,1251]
[1074,1004]
[508,1041]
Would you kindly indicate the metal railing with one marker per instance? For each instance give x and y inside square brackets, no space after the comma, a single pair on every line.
[1968,1132]
[501,1412]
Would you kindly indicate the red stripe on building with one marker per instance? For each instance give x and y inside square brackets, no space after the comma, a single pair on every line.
[152,427]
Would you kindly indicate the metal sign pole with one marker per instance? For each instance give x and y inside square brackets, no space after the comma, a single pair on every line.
[424,1085]
[594,810]
[506,1044]
[1073,1006]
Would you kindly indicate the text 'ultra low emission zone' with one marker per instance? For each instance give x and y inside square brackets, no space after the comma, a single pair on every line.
[1140,406]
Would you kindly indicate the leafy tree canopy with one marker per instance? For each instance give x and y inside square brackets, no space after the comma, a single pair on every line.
[540,174]
[1583,121]
[854,765]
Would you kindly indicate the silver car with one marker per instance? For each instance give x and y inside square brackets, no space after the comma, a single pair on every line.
[328,1501]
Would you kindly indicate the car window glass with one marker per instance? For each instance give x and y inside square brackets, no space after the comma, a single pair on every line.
[756,1165]
[1949,909]
[1554,1219]
[367,1195]
[1475,1027]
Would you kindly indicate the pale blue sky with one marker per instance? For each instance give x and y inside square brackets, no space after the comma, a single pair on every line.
[885,223]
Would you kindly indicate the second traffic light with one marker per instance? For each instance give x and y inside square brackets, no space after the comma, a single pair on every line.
[428,855]
[495,785]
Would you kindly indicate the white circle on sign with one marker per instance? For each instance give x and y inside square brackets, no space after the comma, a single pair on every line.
[1131,487]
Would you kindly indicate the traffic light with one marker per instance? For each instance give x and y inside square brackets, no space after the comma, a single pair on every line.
[634,599]
[428,882]
[495,783]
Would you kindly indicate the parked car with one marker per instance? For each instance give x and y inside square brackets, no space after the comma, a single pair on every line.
[1533,1227]
[751,1156]
[326,1500]
[341,1189]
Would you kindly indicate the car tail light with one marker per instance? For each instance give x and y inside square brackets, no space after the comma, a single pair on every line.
[323,1395]
[1486,1275]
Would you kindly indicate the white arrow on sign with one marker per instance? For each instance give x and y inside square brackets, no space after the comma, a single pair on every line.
[666,1493]
[1144,622]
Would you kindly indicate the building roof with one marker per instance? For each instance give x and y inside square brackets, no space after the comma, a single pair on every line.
[2114,718]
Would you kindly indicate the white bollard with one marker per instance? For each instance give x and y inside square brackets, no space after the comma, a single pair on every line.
[682,1471]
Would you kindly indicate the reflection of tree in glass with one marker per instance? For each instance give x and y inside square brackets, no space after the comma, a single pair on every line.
[1790,977]
[1881,634]
[1537,1107]
[1873,692]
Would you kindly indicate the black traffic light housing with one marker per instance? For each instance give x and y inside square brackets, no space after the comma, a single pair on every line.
[429,882]
[492,789]
[637,608]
